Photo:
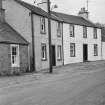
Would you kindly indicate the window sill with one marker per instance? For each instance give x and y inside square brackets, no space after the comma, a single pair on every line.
[59,59]
[59,36]
[95,55]
[15,66]
[72,56]
[72,36]
[43,32]
[44,59]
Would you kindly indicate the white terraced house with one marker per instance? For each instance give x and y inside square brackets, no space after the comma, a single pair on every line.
[81,38]
[74,38]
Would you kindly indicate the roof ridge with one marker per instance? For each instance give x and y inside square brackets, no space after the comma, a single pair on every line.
[66,14]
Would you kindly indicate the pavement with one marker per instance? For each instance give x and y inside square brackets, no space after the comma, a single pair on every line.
[74,84]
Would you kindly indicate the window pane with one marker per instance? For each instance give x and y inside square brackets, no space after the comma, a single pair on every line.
[44,53]
[72,49]
[84,32]
[71,30]
[95,33]
[42,24]
[95,50]
[59,29]
[14,55]
[59,56]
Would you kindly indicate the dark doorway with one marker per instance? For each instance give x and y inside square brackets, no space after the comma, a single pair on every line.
[85,52]
[53,56]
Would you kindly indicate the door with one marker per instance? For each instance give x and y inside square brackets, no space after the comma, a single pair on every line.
[85,52]
[53,56]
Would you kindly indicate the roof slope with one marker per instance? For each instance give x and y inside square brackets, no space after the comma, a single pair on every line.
[37,10]
[9,35]
[74,19]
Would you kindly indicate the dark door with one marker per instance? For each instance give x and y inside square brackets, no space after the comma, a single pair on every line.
[85,52]
[53,56]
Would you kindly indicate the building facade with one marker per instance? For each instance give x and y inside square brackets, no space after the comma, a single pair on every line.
[32,23]
[73,38]
[81,39]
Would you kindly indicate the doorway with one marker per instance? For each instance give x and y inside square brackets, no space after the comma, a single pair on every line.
[53,56]
[85,52]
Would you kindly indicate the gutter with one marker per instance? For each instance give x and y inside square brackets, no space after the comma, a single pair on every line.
[33,43]
[62,45]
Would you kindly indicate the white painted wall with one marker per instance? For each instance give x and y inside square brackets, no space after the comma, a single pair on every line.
[79,41]
[103,50]
[19,18]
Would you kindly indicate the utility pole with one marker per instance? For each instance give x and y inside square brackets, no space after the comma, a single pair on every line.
[49,34]
[87,5]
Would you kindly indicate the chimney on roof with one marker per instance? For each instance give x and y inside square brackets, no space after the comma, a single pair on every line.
[43,5]
[2,13]
[84,13]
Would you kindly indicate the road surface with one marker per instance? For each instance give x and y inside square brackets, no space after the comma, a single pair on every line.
[85,86]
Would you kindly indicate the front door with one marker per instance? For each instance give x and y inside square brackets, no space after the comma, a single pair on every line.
[85,52]
[53,56]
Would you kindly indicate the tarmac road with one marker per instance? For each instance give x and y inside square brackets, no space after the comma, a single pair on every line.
[86,87]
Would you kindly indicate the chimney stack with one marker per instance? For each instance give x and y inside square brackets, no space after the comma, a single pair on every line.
[83,13]
[2,13]
[43,5]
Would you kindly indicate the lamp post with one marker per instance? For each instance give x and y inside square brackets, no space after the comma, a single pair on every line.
[49,34]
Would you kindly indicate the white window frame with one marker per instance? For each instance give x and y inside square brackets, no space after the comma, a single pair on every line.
[72,49]
[59,29]
[17,62]
[95,33]
[42,24]
[59,52]
[84,32]
[45,52]
[95,50]
[71,28]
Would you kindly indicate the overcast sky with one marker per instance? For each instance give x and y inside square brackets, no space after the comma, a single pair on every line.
[96,8]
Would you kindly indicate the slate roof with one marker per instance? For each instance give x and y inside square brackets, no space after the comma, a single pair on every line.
[74,19]
[37,10]
[58,16]
[9,35]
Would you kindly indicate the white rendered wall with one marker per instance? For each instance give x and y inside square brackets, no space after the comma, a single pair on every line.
[79,41]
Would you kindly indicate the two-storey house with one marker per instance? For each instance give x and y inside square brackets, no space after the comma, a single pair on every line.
[32,23]
[81,38]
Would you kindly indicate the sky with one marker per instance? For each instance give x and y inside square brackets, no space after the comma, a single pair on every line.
[72,7]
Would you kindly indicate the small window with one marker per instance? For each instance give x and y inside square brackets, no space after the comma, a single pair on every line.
[84,32]
[72,49]
[71,30]
[95,50]
[42,22]
[44,52]
[95,33]
[59,29]
[15,55]
[59,52]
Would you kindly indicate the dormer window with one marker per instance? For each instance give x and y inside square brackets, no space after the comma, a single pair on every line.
[71,30]
[42,27]
[59,29]
[84,32]
[95,33]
